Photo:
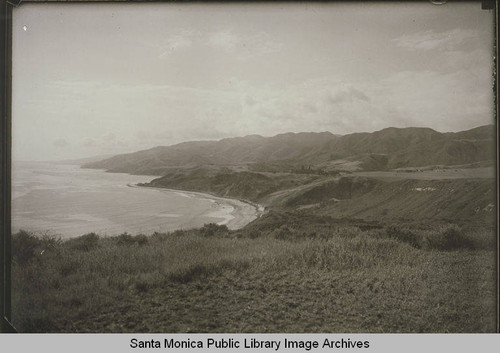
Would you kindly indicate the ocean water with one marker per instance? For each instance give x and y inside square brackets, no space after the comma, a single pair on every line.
[68,201]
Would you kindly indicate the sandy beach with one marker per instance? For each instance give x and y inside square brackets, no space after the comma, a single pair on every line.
[233,212]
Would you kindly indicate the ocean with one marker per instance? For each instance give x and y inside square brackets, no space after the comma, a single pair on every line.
[68,201]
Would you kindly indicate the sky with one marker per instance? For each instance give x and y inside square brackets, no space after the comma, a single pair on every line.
[100,79]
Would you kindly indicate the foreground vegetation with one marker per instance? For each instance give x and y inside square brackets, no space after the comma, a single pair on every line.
[273,276]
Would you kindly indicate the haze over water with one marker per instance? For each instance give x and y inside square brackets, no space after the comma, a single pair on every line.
[69,201]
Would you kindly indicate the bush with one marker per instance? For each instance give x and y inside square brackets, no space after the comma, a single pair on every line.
[142,286]
[24,246]
[179,233]
[141,239]
[282,233]
[404,235]
[49,242]
[160,236]
[189,273]
[86,242]
[449,238]
[254,234]
[211,229]
[124,239]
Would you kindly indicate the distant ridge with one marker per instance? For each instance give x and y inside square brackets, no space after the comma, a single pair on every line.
[386,149]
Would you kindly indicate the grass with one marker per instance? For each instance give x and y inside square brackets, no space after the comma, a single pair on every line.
[445,238]
[340,279]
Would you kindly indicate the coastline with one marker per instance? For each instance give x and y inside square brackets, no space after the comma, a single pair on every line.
[235,212]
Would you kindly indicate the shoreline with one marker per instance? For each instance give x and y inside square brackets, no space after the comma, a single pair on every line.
[235,218]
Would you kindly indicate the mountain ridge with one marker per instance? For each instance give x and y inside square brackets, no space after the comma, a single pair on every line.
[384,149]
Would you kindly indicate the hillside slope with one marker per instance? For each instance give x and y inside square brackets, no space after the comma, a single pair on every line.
[242,185]
[381,150]
[407,200]
[347,196]
[231,151]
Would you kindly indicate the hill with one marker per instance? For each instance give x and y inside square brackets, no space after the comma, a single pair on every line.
[352,196]
[451,200]
[256,187]
[230,151]
[381,150]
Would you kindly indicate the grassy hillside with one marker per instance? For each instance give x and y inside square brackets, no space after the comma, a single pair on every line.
[444,152]
[343,279]
[231,151]
[385,149]
[453,200]
[245,185]
[458,200]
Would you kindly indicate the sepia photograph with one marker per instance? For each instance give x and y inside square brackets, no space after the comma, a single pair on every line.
[254,167]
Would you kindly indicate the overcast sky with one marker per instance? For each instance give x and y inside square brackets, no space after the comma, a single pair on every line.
[94,79]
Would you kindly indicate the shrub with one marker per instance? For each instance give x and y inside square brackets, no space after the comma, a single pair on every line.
[449,238]
[179,232]
[404,235]
[290,233]
[281,233]
[49,242]
[86,242]
[251,233]
[211,229]
[254,234]
[142,286]
[125,239]
[160,236]
[24,245]
[189,273]
[141,239]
